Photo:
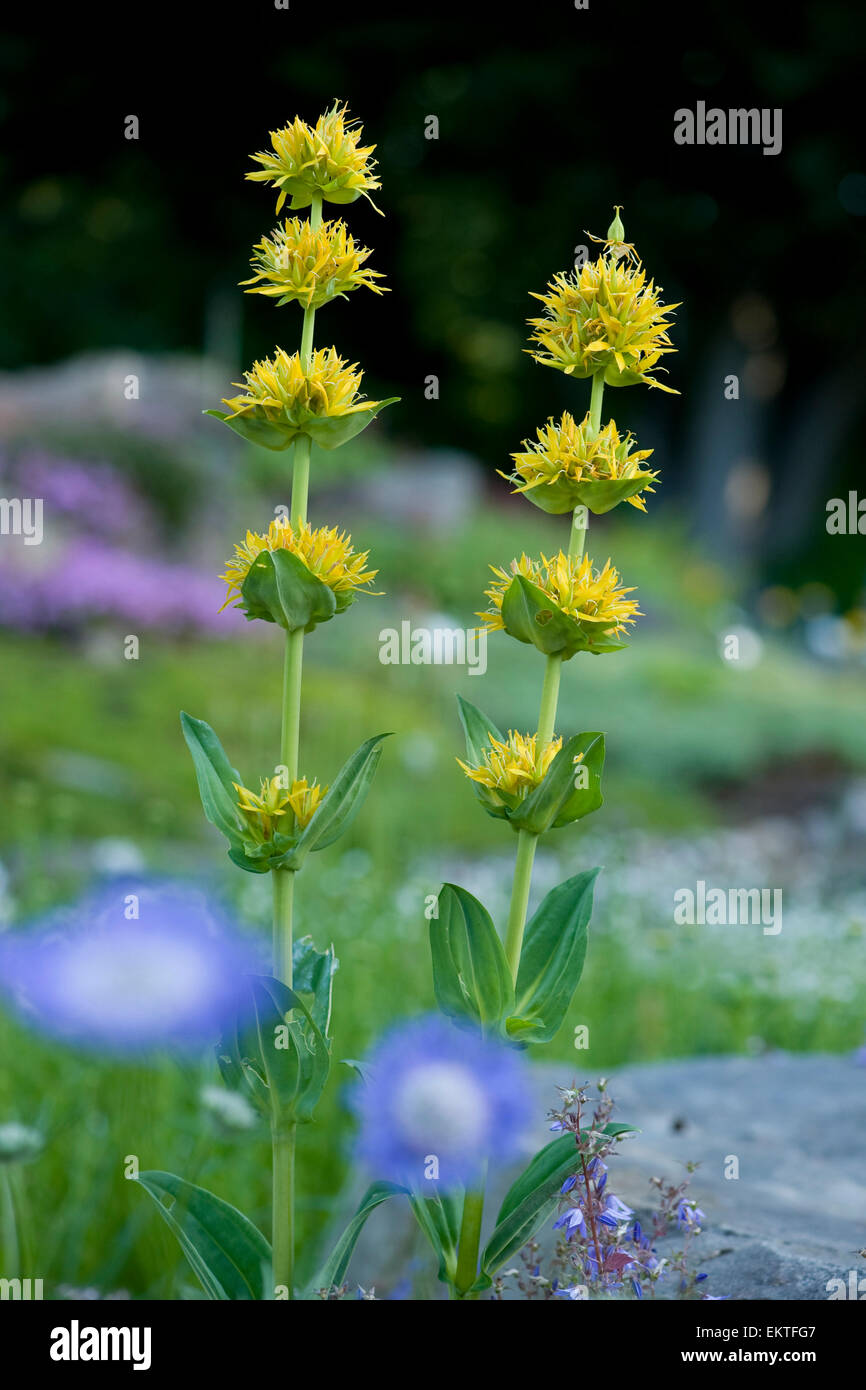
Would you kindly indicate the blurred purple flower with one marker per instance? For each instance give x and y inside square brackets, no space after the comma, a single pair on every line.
[93,580]
[97,977]
[93,494]
[438,1101]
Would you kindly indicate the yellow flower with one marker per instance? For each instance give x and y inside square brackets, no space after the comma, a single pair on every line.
[326,160]
[283,397]
[326,552]
[567,456]
[572,586]
[604,317]
[282,391]
[513,767]
[263,809]
[311,265]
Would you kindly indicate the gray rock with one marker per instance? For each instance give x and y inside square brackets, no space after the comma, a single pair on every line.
[793,1219]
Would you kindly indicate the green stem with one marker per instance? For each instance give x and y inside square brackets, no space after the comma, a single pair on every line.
[283,1140]
[549,700]
[595,401]
[283,1149]
[470,1237]
[284,896]
[520,887]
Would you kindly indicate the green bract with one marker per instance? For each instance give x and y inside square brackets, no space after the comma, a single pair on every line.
[217,781]
[529,615]
[569,791]
[281,589]
[600,495]
[328,431]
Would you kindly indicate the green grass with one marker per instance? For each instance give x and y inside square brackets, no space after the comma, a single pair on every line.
[91,750]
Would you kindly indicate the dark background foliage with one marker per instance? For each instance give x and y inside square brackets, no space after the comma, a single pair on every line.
[547,116]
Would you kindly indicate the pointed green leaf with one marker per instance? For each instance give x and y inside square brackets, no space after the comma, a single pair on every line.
[332,1272]
[551,961]
[556,800]
[227,1253]
[471,978]
[215,776]
[257,430]
[329,432]
[530,1201]
[341,804]
[439,1219]
[478,730]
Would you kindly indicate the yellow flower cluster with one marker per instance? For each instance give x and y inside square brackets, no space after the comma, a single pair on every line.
[284,392]
[572,586]
[310,264]
[326,552]
[604,317]
[263,809]
[325,160]
[515,765]
[577,454]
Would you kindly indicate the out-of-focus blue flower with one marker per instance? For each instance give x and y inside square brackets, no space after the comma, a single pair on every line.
[635,1283]
[131,968]
[437,1102]
[568,1184]
[576,1291]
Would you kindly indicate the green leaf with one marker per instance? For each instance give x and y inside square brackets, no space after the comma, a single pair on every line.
[227,1253]
[292,1052]
[313,973]
[530,1201]
[215,776]
[281,589]
[584,800]
[551,961]
[600,495]
[615,1129]
[439,1219]
[471,978]
[478,730]
[329,432]
[257,430]
[341,804]
[333,1270]
[556,801]
[530,616]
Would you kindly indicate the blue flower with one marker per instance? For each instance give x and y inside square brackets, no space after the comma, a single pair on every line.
[576,1291]
[615,1210]
[689,1216]
[570,1221]
[438,1101]
[130,968]
[568,1184]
